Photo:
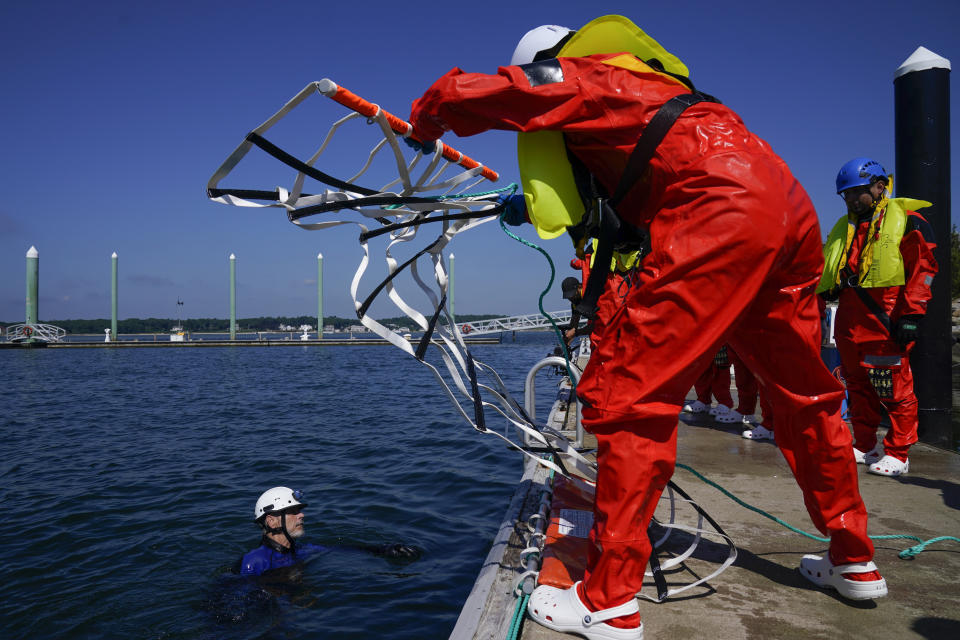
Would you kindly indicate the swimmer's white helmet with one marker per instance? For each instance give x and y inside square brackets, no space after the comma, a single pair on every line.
[537,40]
[277,500]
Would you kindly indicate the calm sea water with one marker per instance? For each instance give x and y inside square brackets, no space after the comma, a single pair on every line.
[128,479]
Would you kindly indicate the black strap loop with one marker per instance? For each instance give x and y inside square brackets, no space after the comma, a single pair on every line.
[304,168]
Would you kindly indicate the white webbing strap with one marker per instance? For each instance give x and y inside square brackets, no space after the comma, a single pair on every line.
[697,532]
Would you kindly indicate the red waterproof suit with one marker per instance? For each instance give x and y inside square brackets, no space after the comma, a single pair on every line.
[736,256]
[859,333]
[715,381]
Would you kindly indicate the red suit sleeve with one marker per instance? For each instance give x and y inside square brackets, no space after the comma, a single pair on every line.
[919,265]
[586,96]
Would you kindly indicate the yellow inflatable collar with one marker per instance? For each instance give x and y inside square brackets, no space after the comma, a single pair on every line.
[549,188]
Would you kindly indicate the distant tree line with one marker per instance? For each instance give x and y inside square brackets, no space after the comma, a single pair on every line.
[216,325]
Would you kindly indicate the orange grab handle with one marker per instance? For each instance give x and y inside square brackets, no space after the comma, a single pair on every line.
[352,101]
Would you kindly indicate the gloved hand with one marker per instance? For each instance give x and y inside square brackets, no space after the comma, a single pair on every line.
[399,551]
[514,209]
[426,147]
[908,329]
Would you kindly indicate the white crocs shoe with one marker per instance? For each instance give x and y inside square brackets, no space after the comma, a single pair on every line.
[868,457]
[562,610]
[695,407]
[719,410]
[758,432]
[889,466]
[731,416]
[751,419]
[821,572]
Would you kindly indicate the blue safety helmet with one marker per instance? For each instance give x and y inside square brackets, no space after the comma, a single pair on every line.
[859,172]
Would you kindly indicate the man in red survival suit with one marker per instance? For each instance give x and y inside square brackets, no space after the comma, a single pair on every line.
[879,265]
[735,257]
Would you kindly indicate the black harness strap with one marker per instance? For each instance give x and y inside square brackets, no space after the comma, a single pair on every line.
[606,239]
[874,308]
[604,213]
[650,139]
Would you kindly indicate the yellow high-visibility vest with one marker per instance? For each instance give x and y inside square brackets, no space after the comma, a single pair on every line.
[887,268]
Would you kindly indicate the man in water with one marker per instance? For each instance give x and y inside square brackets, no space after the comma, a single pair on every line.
[279,513]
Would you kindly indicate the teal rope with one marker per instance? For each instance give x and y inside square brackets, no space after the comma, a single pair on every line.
[512,188]
[517,619]
[918,548]
[906,553]
[553,274]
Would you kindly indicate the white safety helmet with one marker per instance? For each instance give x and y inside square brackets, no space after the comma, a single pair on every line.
[276,500]
[537,40]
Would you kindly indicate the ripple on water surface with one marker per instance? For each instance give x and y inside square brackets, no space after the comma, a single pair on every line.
[128,479]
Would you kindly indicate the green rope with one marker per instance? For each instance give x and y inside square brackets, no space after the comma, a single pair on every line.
[517,619]
[553,274]
[512,188]
[521,606]
[906,553]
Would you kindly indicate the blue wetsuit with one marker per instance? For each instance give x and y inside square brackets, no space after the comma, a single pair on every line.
[265,557]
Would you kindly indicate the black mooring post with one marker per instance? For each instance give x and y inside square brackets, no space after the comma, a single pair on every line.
[921,89]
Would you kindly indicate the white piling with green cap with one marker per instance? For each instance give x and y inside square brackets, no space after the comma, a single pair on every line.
[33,285]
[113,295]
[319,296]
[233,297]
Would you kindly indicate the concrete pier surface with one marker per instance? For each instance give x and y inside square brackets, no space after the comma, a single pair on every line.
[762,595]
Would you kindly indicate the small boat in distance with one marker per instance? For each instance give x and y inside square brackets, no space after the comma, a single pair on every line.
[177,334]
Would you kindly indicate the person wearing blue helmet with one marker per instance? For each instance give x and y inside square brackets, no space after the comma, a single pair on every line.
[279,513]
[879,266]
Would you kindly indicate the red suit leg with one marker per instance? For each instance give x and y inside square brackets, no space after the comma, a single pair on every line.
[736,254]
[747,388]
[702,385]
[720,385]
[902,410]
[634,461]
[864,404]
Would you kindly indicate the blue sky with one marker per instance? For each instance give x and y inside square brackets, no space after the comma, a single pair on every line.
[115,114]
